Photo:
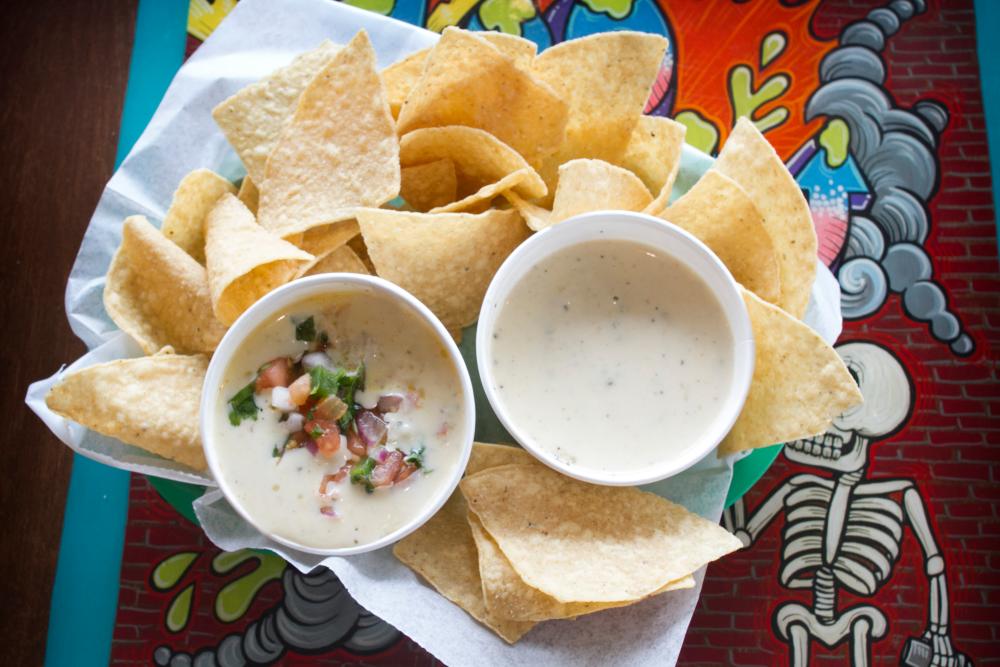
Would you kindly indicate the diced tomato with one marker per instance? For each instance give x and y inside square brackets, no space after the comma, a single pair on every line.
[385,473]
[326,433]
[330,407]
[298,391]
[275,373]
[354,443]
[324,486]
[342,473]
[404,472]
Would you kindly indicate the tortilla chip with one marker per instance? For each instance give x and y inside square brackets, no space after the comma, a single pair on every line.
[400,77]
[338,151]
[149,402]
[444,259]
[654,155]
[426,186]
[719,212]
[595,185]
[245,261]
[536,217]
[485,455]
[468,81]
[443,552]
[341,260]
[249,194]
[580,542]
[522,51]
[751,161]
[158,294]
[254,117]
[357,244]
[507,596]
[606,79]
[321,241]
[484,165]
[184,223]
[799,383]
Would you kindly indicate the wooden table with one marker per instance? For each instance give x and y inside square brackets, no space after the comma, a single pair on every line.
[64,68]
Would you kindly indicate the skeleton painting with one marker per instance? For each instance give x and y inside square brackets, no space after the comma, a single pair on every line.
[844,528]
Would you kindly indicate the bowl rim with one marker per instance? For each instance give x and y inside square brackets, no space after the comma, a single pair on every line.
[280,299]
[559,237]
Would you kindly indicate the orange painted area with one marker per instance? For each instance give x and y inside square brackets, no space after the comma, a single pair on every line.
[711,43]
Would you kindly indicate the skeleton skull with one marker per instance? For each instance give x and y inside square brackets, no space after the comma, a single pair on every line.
[885,386]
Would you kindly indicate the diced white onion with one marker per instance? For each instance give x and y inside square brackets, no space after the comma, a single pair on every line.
[281,399]
[314,359]
[366,399]
[294,423]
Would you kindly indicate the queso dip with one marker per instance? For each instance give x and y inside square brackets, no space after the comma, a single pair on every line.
[611,355]
[338,421]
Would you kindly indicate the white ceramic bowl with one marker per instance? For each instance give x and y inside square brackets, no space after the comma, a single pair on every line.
[669,239]
[263,311]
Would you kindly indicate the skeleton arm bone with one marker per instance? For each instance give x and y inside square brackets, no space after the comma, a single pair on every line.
[734,518]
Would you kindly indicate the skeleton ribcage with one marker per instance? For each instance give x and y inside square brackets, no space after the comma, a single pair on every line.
[868,550]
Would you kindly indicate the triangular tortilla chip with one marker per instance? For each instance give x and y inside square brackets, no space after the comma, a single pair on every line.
[338,151]
[579,542]
[799,384]
[654,155]
[536,217]
[751,161]
[253,118]
[245,261]
[321,241]
[484,165]
[184,223]
[720,214]
[341,260]
[158,294]
[606,79]
[595,185]
[426,186]
[468,81]
[400,77]
[507,596]
[522,51]
[444,259]
[149,402]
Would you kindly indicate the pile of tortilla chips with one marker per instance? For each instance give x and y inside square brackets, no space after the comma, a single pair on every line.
[429,174]
[520,543]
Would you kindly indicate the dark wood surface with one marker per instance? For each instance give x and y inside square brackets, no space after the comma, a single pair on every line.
[63,72]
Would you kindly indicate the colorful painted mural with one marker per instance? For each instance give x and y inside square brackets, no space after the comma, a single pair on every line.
[873,544]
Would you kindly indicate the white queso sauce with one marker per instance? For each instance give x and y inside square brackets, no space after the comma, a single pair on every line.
[339,420]
[611,356]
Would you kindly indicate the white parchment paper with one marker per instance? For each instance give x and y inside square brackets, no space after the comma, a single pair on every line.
[258,36]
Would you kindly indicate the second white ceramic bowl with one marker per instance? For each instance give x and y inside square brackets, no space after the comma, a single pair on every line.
[669,239]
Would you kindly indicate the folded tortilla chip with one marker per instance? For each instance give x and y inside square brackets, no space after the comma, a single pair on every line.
[249,194]
[721,215]
[579,542]
[443,552]
[444,259]
[244,260]
[468,81]
[321,241]
[536,217]
[338,151]
[184,223]
[799,383]
[484,165]
[150,402]
[254,117]
[654,155]
[751,161]
[158,294]
[606,79]
[426,186]
[595,185]
[341,260]
[507,596]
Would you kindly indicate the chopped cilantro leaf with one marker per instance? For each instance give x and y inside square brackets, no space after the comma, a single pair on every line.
[416,456]
[316,432]
[361,473]
[324,382]
[306,330]
[350,383]
[242,406]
